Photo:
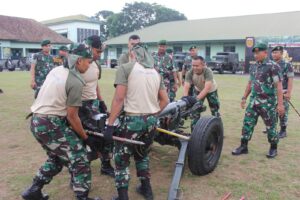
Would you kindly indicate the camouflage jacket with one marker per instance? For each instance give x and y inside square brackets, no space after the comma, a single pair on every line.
[43,65]
[187,63]
[263,77]
[287,71]
[164,65]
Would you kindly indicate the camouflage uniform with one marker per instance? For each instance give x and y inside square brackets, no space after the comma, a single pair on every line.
[187,66]
[287,72]
[263,100]
[164,65]
[139,128]
[43,65]
[63,148]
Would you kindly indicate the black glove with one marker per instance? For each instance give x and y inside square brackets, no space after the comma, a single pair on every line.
[102,107]
[90,142]
[108,133]
[190,100]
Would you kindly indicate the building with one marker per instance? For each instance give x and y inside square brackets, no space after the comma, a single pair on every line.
[76,28]
[227,34]
[20,37]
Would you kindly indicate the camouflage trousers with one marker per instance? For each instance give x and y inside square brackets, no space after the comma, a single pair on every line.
[140,128]
[214,105]
[268,113]
[169,84]
[63,148]
[284,119]
[89,109]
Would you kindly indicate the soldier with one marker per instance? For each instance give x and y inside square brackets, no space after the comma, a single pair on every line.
[61,59]
[178,71]
[187,66]
[265,87]
[58,102]
[201,77]
[287,72]
[125,58]
[141,90]
[163,63]
[92,101]
[41,65]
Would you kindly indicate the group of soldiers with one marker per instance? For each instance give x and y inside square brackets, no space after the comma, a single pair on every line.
[68,97]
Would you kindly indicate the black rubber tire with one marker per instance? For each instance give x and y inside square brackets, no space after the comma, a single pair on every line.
[205,145]
[221,71]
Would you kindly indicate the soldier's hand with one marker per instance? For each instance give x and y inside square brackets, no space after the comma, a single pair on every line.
[33,84]
[90,142]
[243,103]
[280,110]
[287,96]
[108,133]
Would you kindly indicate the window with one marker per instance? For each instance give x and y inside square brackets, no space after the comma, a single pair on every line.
[229,48]
[177,49]
[82,34]
[119,51]
[207,52]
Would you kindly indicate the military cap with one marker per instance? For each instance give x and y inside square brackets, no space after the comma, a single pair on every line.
[193,47]
[94,41]
[169,50]
[278,48]
[162,42]
[63,48]
[45,42]
[82,50]
[260,47]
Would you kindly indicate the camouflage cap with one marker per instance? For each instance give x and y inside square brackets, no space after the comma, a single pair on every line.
[193,47]
[45,42]
[94,41]
[162,42]
[169,50]
[278,48]
[63,48]
[82,51]
[260,47]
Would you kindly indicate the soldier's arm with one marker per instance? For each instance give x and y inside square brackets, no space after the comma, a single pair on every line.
[98,93]
[32,73]
[247,90]
[205,91]
[280,107]
[117,103]
[75,122]
[290,87]
[163,99]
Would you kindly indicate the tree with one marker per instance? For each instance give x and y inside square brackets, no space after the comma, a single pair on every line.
[102,16]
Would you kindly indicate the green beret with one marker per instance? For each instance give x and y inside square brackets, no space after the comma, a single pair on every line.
[82,50]
[169,50]
[278,48]
[45,42]
[260,47]
[162,42]
[63,48]
[193,47]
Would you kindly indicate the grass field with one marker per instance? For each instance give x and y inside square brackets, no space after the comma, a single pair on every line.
[252,176]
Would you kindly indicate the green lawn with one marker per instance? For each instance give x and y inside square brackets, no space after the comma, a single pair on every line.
[253,175]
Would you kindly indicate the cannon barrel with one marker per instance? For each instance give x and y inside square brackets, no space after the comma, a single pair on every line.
[171,108]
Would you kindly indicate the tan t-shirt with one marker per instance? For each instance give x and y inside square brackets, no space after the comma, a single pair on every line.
[143,85]
[124,59]
[60,90]
[199,80]
[90,77]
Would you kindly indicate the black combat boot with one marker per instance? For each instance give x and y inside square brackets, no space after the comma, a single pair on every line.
[35,191]
[282,133]
[107,169]
[84,196]
[145,189]
[122,194]
[273,151]
[243,149]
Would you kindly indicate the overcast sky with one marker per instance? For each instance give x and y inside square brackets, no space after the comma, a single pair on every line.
[43,10]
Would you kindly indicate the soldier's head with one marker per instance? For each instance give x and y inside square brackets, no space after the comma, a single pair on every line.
[46,46]
[260,52]
[193,51]
[63,51]
[162,46]
[81,57]
[198,64]
[277,53]
[133,40]
[96,45]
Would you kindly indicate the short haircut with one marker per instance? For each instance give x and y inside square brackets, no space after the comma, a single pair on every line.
[198,58]
[134,37]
